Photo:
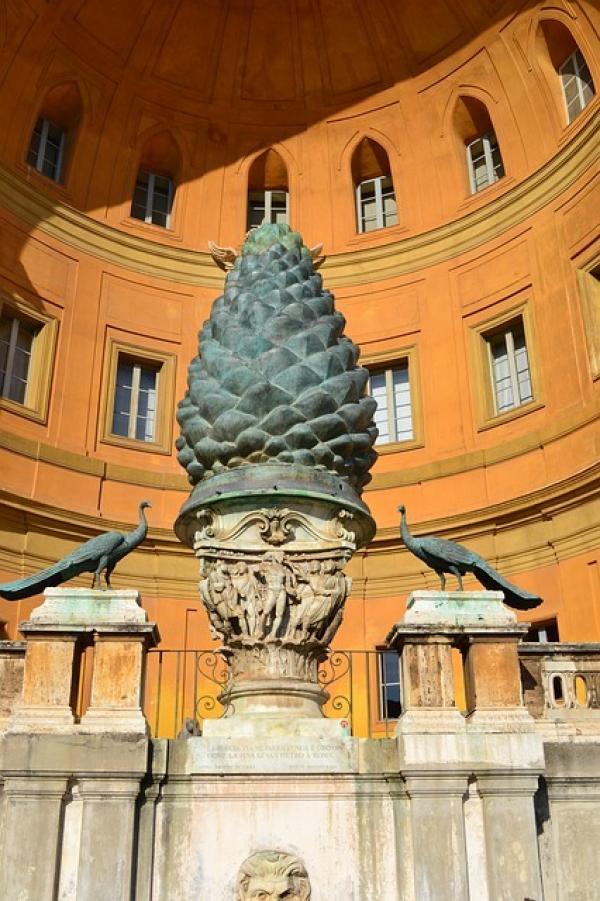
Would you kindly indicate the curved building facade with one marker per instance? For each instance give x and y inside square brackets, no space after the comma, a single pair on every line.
[448,162]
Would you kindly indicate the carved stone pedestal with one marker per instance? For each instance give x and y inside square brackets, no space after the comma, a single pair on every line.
[69,620]
[272,550]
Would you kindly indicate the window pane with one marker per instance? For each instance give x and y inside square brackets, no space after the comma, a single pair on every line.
[140,197]
[501,369]
[378,391]
[122,404]
[256,208]
[402,404]
[16,340]
[161,201]
[389,685]
[522,367]
[51,151]
[34,145]
[146,416]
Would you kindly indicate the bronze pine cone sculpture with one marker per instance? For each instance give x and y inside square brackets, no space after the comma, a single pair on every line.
[276,380]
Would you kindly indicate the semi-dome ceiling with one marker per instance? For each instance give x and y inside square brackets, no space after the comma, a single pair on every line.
[260,57]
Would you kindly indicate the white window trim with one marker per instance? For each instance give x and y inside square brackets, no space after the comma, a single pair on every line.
[489,162]
[39,163]
[512,370]
[379,216]
[580,81]
[391,401]
[135,401]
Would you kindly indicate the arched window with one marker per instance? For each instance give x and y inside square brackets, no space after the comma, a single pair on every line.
[571,71]
[54,129]
[268,191]
[375,196]
[154,190]
[475,130]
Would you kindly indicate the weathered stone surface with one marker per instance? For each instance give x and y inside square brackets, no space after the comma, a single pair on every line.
[87,607]
[12,667]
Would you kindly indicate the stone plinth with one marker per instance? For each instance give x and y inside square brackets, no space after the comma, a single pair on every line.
[487,635]
[67,621]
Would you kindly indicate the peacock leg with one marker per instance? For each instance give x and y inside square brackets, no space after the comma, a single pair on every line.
[442,581]
[460,584]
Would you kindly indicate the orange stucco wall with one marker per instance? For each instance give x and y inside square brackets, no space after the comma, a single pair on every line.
[311,81]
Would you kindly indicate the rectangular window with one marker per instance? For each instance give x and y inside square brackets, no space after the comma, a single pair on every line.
[393,416]
[543,631]
[135,399]
[389,685]
[484,162]
[577,84]
[268,206]
[16,345]
[509,366]
[46,149]
[376,204]
[153,199]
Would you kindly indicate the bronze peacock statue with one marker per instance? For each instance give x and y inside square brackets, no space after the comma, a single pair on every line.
[448,557]
[98,555]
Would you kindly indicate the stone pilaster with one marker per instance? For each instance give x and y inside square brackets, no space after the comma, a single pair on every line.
[105,867]
[438,834]
[47,679]
[510,833]
[33,807]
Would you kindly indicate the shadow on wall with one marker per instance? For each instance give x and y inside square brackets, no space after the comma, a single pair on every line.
[176,91]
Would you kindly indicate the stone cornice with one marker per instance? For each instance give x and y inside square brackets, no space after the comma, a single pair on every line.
[359,266]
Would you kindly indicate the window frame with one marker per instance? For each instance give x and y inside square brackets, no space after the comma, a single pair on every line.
[492,177]
[483,385]
[508,333]
[40,371]
[588,279]
[579,81]
[40,156]
[377,181]
[149,206]
[390,360]
[165,363]
[382,685]
[268,204]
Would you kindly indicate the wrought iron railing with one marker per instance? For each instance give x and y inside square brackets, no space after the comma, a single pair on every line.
[559,681]
[185,685]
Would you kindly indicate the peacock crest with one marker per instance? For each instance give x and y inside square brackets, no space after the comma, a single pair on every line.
[275,379]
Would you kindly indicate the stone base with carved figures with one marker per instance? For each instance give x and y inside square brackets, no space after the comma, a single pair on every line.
[273,586]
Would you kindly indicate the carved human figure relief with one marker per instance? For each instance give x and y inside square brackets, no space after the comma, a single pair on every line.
[272,876]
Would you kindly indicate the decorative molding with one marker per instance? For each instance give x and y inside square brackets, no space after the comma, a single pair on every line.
[360,266]
[438,469]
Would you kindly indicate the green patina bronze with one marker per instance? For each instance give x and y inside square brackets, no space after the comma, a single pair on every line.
[275,379]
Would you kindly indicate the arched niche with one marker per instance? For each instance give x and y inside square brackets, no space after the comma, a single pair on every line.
[52,140]
[565,68]
[478,142]
[376,205]
[158,172]
[268,190]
